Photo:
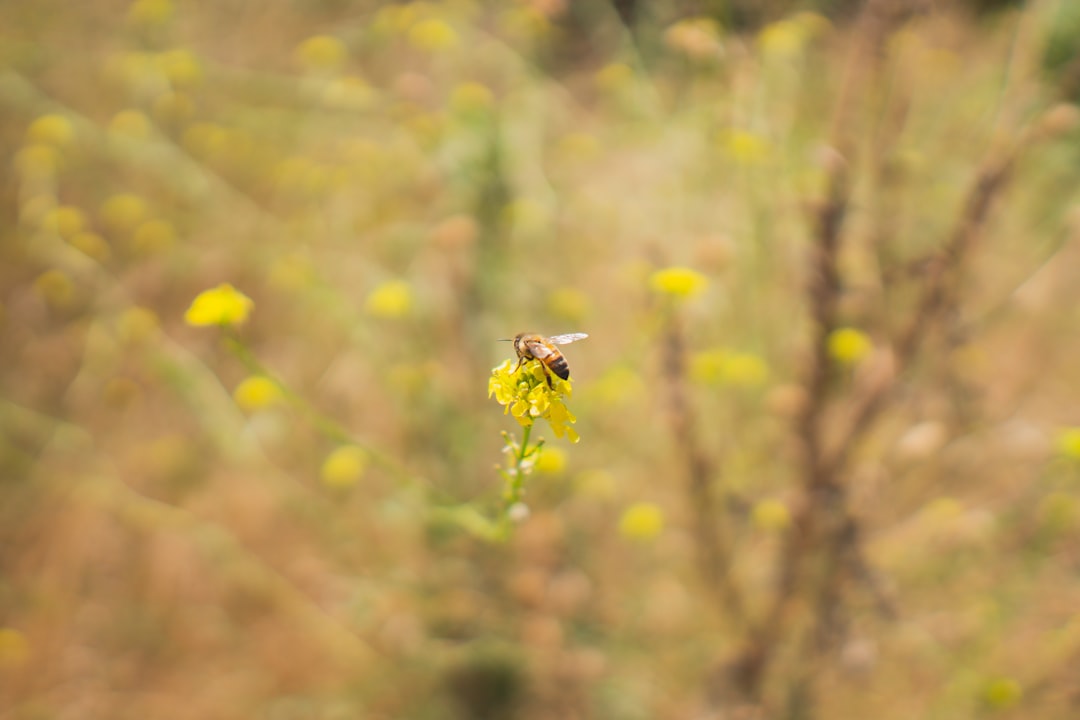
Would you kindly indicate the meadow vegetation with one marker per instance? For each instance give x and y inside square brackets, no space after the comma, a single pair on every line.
[255,261]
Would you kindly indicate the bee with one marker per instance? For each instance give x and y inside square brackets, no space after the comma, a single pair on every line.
[530,346]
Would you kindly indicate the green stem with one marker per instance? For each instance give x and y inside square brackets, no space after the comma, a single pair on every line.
[517,476]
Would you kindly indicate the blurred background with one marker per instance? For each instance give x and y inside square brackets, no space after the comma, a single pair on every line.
[826,253]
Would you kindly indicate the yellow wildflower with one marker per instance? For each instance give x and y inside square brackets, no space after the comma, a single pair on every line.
[55,130]
[137,324]
[181,67]
[1002,693]
[321,52]
[150,12]
[678,282]
[551,460]
[432,35]
[523,390]
[55,287]
[37,161]
[123,211]
[642,521]
[153,236]
[392,299]
[130,123]
[66,221]
[771,515]
[223,305]
[471,98]
[849,345]
[257,392]
[92,245]
[344,466]
[1068,442]
[14,649]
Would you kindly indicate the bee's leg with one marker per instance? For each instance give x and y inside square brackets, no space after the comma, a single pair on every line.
[547,374]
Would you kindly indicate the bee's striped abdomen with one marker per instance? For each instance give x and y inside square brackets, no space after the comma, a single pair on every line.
[558,365]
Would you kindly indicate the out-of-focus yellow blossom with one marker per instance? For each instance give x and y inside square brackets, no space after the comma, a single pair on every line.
[615,76]
[181,67]
[321,52]
[782,39]
[137,324]
[433,35]
[744,147]
[617,386]
[153,237]
[771,515]
[642,521]
[524,22]
[14,649]
[1002,693]
[697,38]
[123,212]
[1059,512]
[527,215]
[55,287]
[720,367]
[678,282]
[92,245]
[1068,442]
[131,124]
[523,390]
[849,345]
[257,392]
[55,130]
[392,299]
[551,461]
[569,304]
[66,221]
[291,272]
[206,140]
[38,161]
[223,305]
[578,146]
[174,106]
[596,483]
[348,93]
[344,467]
[471,98]
[150,12]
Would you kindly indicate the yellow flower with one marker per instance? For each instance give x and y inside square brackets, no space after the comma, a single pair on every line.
[771,515]
[66,221]
[153,236]
[344,467]
[1068,442]
[181,67]
[13,648]
[137,324]
[551,461]
[55,287]
[321,52]
[130,123]
[642,521]
[123,212]
[37,161]
[1002,693]
[678,282]
[55,130]
[471,98]
[569,304]
[614,76]
[849,345]
[523,390]
[744,147]
[92,245]
[392,299]
[223,305]
[257,392]
[432,35]
[150,12]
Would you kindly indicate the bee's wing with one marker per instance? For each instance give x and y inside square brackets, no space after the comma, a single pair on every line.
[567,338]
[538,349]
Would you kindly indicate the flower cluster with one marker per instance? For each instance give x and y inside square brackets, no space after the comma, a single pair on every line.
[524,391]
